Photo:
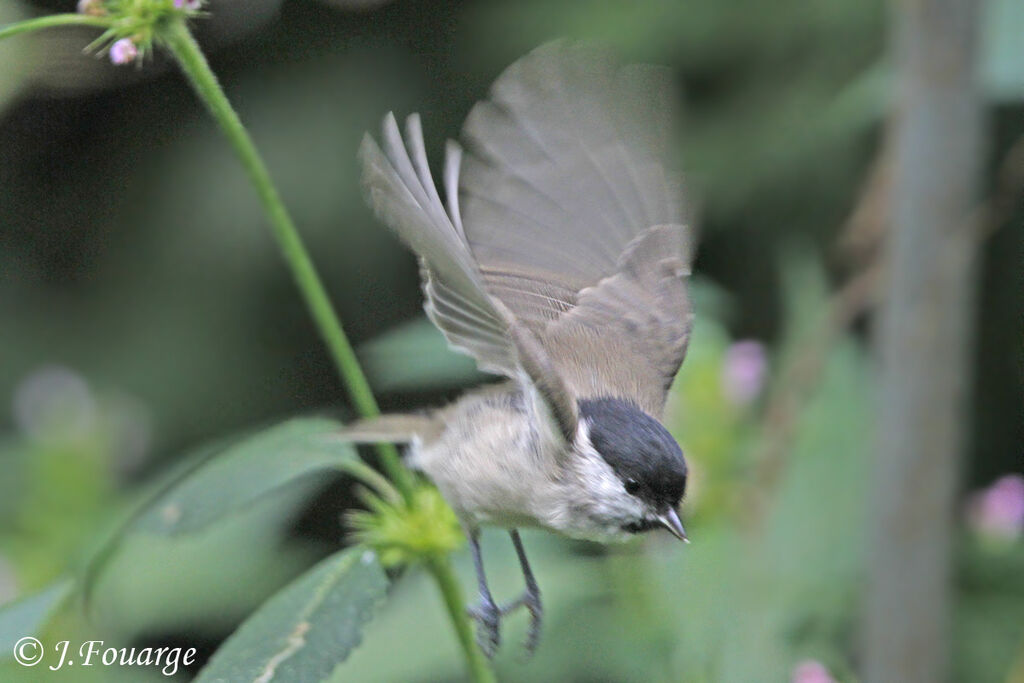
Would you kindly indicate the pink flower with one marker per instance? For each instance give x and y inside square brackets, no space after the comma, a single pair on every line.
[187,5]
[91,7]
[123,51]
[743,371]
[811,671]
[997,512]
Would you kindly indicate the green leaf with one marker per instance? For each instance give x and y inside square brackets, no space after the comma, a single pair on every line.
[15,55]
[308,628]
[216,577]
[1002,58]
[415,356]
[244,473]
[26,617]
[228,477]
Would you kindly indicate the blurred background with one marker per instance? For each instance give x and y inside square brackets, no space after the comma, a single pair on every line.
[144,311]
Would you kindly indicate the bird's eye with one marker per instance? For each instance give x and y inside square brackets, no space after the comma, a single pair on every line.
[632,486]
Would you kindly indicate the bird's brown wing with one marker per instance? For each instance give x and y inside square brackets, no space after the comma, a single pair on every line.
[627,336]
[570,210]
[402,192]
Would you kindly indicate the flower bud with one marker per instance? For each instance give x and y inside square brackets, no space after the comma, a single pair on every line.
[123,51]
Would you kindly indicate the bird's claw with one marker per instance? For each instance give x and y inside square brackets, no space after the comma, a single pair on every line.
[531,601]
[533,606]
[488,618]
[488,625]
[488,615]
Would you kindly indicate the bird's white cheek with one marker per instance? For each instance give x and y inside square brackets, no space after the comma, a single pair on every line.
[606,503]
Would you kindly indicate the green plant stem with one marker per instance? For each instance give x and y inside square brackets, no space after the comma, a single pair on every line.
[197,71]
[193,63]
[51,21]
[440,568]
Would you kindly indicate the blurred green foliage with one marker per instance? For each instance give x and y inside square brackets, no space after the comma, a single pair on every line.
[132,253]
[305,629]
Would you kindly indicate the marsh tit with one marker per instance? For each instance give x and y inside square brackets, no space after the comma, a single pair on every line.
[559,260]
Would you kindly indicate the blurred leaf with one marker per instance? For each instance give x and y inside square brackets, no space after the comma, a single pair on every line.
[808,562]
[14,54]
[415,356]
[988,631]
[699,31]
[244,473]
[748,603]
[1002,53]
[308,628]
[66,489]
[204,583]
[27,616]
[805,296]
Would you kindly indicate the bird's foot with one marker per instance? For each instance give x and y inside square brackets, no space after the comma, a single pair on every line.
[530,599]
[488,625]
[488,616]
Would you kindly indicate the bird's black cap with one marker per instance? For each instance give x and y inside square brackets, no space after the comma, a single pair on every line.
[638,448]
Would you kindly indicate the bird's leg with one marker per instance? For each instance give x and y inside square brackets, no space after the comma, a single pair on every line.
[530,597]
[486,613]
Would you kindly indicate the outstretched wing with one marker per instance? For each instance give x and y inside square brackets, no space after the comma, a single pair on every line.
[575,221]
[403,194]
[627,336]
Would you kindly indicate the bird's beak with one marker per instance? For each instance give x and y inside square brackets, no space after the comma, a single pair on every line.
[671,522]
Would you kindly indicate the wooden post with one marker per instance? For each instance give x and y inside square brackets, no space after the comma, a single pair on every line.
[924,341]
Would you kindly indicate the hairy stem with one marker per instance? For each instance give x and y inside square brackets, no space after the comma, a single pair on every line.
[53,20]
[197,71]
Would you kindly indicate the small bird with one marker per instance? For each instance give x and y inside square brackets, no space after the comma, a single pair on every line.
[559,261]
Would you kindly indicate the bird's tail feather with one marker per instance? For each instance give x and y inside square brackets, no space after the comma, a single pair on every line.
[400,429]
